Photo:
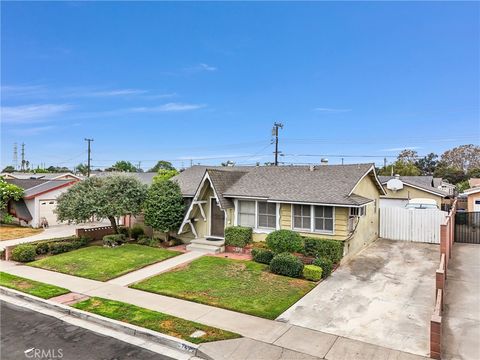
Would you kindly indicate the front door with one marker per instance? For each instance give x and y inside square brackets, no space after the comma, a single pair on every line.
[217,219]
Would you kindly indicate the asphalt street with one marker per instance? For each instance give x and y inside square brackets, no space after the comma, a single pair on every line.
[27,334]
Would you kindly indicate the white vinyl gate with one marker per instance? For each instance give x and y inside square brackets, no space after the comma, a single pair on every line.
[398,223]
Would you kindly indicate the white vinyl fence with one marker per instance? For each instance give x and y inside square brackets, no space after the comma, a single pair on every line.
[398,223]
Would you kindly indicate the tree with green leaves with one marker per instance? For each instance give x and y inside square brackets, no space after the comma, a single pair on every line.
[427,164]
[164,208]
[102,198]
[8,169]
[462,157]
[8,192]
[400,168]
[162,165]
[164,174]
[122,166]
[452,174]
[82,169]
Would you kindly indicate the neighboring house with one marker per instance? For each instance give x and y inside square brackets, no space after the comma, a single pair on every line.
[400,189]
[445,186]
[473,199]
[43,176]
[327,201]
[39,200]
[474,182]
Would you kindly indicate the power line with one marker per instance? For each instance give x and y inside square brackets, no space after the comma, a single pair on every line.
[89,157]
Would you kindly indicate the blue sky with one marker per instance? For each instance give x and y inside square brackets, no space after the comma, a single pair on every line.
[206,81]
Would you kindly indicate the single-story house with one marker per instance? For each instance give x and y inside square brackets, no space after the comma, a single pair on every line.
[473,199]
[326,201]
[39,200]
[445,186]
[42,176]
[474,182]
[400,189]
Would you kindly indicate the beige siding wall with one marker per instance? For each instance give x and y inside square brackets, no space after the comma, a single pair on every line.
[471,201]
[410,193]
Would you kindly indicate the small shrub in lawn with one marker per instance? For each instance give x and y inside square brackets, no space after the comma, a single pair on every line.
[331,249]
[136,232]
[312,272]
[24,253]
[154,242]
[284,241]
[114,240]
[60,247]
[238,236]
[326,265]
[263,256]
[144,240]
[42,248]
[286,264]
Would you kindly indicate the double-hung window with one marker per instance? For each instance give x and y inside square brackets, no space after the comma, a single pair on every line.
[323,219]
[246,213]
[302,217]
[267,215]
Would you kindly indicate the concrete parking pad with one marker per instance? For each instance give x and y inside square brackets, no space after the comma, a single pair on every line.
[384,296]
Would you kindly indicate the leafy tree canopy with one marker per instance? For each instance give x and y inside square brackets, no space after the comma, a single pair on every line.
[162,165]
[122,166]
[452,174]
[8,192]
[82,169]
[8,169]
[401,168]
[106,197]
[427,164]
[164,174]
[164,207]
[463,157]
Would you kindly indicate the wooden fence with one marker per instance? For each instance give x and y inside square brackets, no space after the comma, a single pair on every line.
[446,243]
[96,233]
[398,223]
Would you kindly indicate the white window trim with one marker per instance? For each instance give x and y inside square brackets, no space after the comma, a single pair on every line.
[312,222]
[256,229]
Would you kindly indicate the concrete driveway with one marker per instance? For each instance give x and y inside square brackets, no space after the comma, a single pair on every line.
[384,296]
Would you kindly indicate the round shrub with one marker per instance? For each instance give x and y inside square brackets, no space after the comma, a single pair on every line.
[42,248]
[24,253]
[263,256]
[122,230]
[143,240]
[286,264]
[114,240]
[312,272]
[284,241]
[136,232]
[326,265]
[331,249]
[238,236]
[60,247]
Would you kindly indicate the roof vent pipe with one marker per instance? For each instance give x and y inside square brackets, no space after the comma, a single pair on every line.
[397,176]
[312,167]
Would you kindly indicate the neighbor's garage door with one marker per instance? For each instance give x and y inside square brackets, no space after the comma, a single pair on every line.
[46,211]
[393,203]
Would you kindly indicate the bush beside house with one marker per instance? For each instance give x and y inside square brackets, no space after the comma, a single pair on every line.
[330,249]
[286,264]
[312,272]
[325,264]
[281,241]
[24,253]
[263,256]
[238,236]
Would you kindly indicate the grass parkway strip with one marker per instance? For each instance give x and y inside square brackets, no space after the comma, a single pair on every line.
[243,286]
[154,320]
[104,263]
[35,288]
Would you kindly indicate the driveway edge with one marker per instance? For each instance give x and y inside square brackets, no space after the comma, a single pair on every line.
[128,329]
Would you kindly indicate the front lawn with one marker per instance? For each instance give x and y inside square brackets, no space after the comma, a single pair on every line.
[243,286]
[9,232]
[31,287]
[153,320]
[104,263]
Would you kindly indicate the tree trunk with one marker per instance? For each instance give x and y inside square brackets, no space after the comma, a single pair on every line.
[167,236]
[113,222]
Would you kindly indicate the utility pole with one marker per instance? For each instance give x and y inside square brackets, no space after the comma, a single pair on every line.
[139,166]
[23,157]
[89,157]
[384,162]
[276,125]
[15,156]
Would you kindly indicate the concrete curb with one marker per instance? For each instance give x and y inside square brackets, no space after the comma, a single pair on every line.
[133,330]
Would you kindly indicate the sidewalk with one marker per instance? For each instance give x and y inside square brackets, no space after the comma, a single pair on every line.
[155,269]
[291,337]
[461,330]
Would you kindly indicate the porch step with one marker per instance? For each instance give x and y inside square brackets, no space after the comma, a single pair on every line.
[204,241]
[208,249]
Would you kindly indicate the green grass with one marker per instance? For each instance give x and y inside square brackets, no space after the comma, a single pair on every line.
[103,263]
[153,320]
[243,286]
[31,287]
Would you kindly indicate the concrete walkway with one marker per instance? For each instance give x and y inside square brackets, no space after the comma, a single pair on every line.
[461,328]
[152,270]
[308,343]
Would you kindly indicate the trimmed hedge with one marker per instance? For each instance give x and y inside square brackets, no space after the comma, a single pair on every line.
[312,272]
[281,241]
[24,253]
[114,240]
[238,236]
[136,232]
[42,248]
[286,264]
[60,247]
[263,256]
[331,249]
[326,265]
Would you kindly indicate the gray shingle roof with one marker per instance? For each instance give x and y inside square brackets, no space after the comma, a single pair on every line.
[46,186]
[26,184]
[422,182]
[326,184]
